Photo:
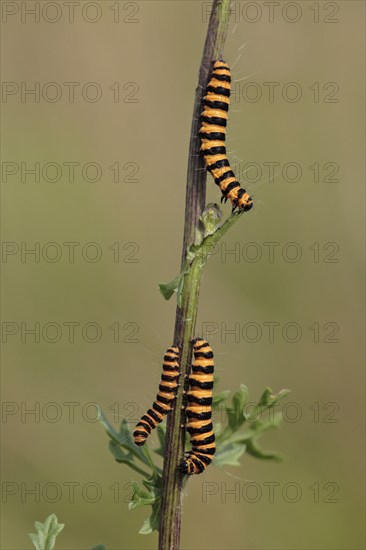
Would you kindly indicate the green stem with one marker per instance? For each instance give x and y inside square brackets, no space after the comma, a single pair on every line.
[186,313]
[145,475]
[205,249]
[150,460]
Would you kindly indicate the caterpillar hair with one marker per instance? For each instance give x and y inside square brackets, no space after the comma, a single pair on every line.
[164,399]
[213,132]
[199,410]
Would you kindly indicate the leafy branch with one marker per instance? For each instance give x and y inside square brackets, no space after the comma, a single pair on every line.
[208,233]
[45,538]
[239,436]
[47,532]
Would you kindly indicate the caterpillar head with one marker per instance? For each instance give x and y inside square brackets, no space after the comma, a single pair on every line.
[184,467]
[244,201]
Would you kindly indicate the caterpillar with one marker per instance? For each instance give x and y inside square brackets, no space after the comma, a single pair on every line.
[199,410]
[212,134]
[164,399]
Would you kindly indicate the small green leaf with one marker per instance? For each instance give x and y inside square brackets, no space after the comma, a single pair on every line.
[211,219]
[125,436]
[152,523]
[107,426]
[168,289]
[256,429]
[235,413]
[154,485]
[229,455]
[146,528]
[125,440]
[239,400]
[232,442]
[267,398]
[266,402]
[254,450]
[241,438]
[47,532]
[118,453]
[99,547]
[264,425]
[140,498]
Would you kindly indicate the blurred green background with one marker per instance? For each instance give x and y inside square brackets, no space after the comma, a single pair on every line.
[312,291]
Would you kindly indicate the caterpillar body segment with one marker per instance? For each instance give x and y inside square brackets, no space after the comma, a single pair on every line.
[199,410]
[164,400]
[213,133]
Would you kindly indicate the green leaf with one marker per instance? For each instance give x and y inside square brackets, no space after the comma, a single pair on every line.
[140,498]
[168,289]
[267,398]
[235,413]
[154,485]
[99,547]
[264,425]
[108,427]
[232,442]
[241,438]
[118,453]
[254,450]
[211,219]
[152,523]
[47,532]
[124,438]
[239,400]
[257,429]
[209,222]
[147,527]
[229,455]
[266,402]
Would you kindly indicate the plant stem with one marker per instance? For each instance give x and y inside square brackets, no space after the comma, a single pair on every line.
[150,460]
[145,475]
[186,314]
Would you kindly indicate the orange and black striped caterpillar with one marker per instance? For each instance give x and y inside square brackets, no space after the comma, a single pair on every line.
[212,133]
[164,399]
[199,410]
